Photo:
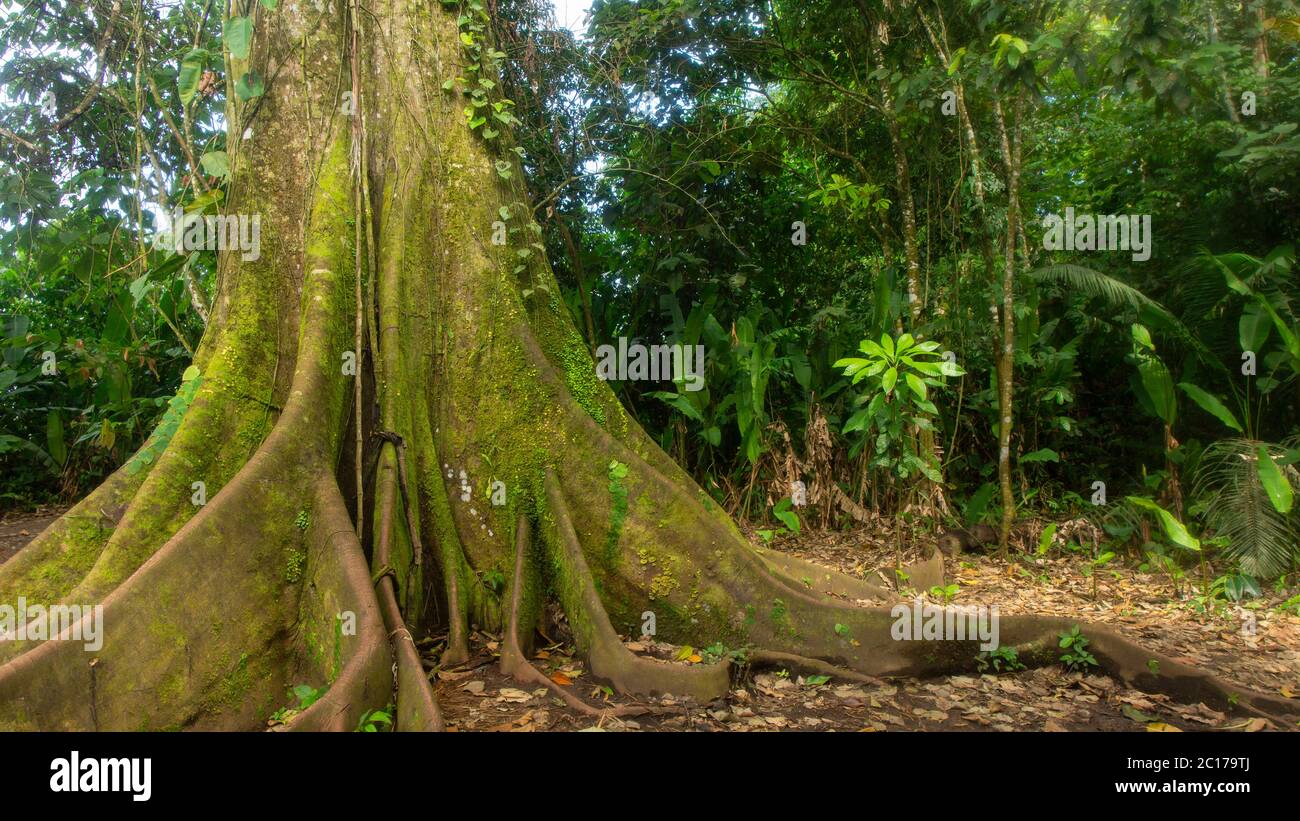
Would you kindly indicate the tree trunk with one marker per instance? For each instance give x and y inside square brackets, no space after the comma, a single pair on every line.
[1006,353]
[211,610]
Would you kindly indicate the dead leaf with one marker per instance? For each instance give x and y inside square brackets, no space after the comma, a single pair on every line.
[513,696]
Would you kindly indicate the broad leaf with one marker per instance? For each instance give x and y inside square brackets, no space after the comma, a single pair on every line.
[238,35]
[1211,405]
[1173,528]
[187,82]
[1275,482]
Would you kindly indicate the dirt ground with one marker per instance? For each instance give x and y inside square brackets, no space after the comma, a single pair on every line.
[17,529]
[1257,646]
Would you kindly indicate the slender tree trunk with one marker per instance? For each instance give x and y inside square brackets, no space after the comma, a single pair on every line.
[1010,141]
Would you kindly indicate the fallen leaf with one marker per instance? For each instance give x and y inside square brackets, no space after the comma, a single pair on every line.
[1136,714]
[512,695]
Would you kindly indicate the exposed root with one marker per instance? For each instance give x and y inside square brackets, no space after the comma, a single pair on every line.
[513,662]
[820,579]
[808,665]
[417,710]
[608,658]
[196,636]
[342,586]
[447,550]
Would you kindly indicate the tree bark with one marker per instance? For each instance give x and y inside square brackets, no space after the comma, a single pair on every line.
[1010,140]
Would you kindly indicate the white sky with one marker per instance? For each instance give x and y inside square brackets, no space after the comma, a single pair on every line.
[571,13]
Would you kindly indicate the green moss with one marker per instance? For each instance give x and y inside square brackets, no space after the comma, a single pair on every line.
[780,617]
[229,691]
[618,508]
[293,565]
[580,377]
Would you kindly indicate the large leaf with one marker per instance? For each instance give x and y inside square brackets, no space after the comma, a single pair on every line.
[914,382]
[54,438]
[679,402]
[1158,386]
[1275,483]
[238,34]
[250,85]
[1041,455]
[187,82]
[1120,294]
[1173,528]
[216,163]
[888,380]
[1211,405]
[1254,327]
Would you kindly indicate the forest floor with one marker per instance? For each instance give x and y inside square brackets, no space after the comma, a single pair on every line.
[1140,605]
[476,697]
[19,528]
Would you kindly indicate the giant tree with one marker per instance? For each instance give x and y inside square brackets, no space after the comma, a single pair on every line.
[381,324]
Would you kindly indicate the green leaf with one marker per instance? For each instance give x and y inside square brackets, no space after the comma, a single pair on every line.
[1142,336]
[1045,539]
[250,86]
[238,35]
[187,82]
[216,163]
[680,403]
[1173,528]
[1210,404]
[979,502]
[202,202]
[54,437]
[887,345]
[1270,475]
[1041,455]
[1253,328]
[914,382]
[888,380]
[781,510]
[139,287]
[1158,386]
[270,5]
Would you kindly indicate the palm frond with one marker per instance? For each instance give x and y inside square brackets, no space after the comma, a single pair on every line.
[1122,295]
[1262,541]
